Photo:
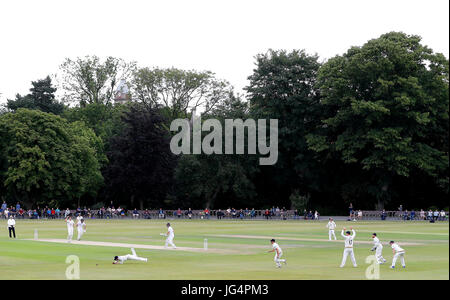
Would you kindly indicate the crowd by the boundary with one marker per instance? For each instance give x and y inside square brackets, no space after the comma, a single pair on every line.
[274,213]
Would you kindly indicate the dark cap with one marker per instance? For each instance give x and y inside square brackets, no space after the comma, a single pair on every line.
[272,240]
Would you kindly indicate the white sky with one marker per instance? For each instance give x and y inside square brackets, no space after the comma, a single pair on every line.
[220,36]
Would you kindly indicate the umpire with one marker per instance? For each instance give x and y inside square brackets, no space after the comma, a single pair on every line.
[12,226]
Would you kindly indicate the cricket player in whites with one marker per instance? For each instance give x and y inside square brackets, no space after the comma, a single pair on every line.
[348,250]
[70,224]
[278,253]
[378,247]
[132,256]
[331,226]
[81,228]
[170,235]
[398,252]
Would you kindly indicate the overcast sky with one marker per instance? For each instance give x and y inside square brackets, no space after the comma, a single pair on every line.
[220,36]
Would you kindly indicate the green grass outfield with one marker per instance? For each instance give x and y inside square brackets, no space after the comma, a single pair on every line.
[238,250]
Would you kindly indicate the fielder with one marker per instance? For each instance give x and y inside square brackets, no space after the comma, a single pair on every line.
[378,247]
[70,224]
[348,250]
[132,256]
[398,252]
[278,253]
[170,235]
[81,228]
[331,226]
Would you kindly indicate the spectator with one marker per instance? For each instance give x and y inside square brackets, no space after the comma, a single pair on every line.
[430,215]
[161,214]
[422,214]
[350,209]
[436,215]
[405,215]
[17,206]
[253,213]
[66,213]
[267,214]
[179,213]
[360,214]
[413,215]
[21,212]
[58,212]
[206,213]
[135,214]
[53,213]
[219,214]
[383,215]
[189,213]
[316,215]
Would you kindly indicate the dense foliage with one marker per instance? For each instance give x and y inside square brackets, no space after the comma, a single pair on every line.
[370,127]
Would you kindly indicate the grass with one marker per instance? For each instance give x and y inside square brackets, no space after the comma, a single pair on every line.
[305,245]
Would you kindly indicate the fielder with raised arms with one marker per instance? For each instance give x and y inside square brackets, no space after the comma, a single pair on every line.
[348,250]
[331,226]
[378,248]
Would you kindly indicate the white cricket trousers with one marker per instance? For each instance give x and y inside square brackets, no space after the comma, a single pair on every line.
[331,233]
[80,234]
[347,252]
[69,234]
[133,256]
[169,241]
[402,258]
[278,260]
[379,254]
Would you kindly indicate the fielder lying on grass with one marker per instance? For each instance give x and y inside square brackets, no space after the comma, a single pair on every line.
[133,256]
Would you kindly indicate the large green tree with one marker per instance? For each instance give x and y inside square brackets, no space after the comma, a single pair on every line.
[42,97]
[182,92]
[217,180]
[385,115]
[44,158]
[282,87]
[141,165]
[93,80]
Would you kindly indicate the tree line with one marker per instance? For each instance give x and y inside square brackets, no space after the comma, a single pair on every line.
[368,127]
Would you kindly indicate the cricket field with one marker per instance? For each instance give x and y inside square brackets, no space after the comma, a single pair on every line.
[236,250]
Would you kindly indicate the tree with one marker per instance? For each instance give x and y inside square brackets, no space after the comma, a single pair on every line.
[216,180]
[42,97]
[103,119]
[385,113]
[141,164]
[90,80]
[181,91]
[282,87]
[44,158]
